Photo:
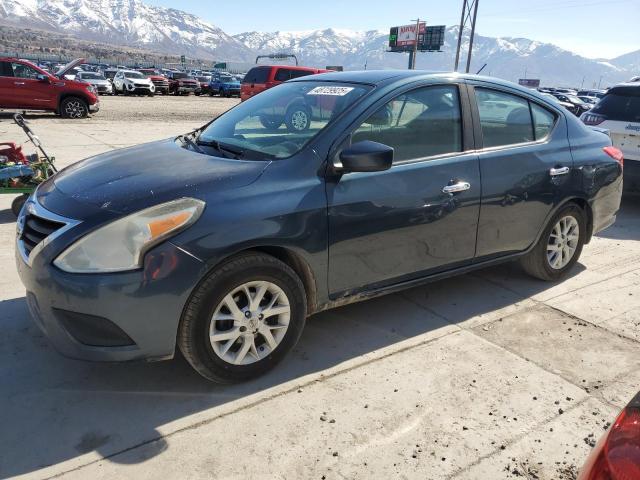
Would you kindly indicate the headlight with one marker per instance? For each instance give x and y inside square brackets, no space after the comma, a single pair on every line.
[121,245]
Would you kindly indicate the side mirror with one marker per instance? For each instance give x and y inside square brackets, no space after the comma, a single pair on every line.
[366,156]
[43,78]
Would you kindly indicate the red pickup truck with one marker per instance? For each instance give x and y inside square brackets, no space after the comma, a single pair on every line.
[24,86]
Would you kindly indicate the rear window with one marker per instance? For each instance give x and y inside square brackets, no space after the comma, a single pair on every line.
[257,75]
[5,69]
[622,105]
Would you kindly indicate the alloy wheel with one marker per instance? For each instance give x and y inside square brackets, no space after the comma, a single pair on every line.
[249,323]
[74,109]
[299,120]
[563,242]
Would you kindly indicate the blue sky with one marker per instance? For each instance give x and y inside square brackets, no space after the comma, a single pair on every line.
[593,28]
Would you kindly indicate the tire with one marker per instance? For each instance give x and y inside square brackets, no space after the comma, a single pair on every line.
[211,94]
[538,262]
[151,94]
[271,122]
[208,301]
[18,202]
[74,107]
[297,118]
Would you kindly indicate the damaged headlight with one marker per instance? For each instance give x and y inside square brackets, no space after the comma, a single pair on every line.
[121,245]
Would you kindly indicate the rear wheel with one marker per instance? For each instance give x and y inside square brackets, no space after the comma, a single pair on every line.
[297,118]
[74,107]
[243,318]
[559,247]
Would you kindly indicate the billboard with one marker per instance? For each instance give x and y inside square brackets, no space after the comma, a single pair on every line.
[403,39]
[529,82]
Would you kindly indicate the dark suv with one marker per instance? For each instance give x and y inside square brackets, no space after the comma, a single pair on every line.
[222,241]
[24,86]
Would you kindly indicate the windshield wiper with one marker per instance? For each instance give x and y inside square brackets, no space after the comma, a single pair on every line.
[223,148]
[187,140]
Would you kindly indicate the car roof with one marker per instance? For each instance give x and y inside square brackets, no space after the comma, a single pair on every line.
[291,67]
[629,87]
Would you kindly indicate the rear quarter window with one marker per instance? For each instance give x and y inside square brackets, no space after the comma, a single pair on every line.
[257,75]
[622,106]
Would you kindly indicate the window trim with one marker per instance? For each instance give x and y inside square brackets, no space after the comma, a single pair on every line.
[469,144]
[477,127]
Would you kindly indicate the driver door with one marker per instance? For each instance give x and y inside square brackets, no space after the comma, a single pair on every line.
[30,92]
[420,216]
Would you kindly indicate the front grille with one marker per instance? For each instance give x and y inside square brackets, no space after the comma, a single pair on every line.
[160,83]
[35,230]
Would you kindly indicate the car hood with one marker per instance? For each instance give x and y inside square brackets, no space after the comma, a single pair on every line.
[68,67]
[127,180]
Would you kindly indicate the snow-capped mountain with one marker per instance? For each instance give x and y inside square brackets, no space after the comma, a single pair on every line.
[126,22]
[509,58]
[133,23]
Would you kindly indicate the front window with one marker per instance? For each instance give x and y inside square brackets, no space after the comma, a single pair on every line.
[134,75]
[422,123]
[91,76]
[179,75]
[279,122]
[20,70]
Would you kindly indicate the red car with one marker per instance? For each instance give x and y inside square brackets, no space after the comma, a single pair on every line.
[261,78]
[160,81]
[24,86]
[617,454]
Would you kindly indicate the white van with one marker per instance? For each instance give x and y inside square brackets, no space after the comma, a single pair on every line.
[619,113]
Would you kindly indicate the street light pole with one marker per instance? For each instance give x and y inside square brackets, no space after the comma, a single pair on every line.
[473,33]
[413,53]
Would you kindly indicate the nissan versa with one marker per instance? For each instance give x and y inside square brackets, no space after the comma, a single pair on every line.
[322,191]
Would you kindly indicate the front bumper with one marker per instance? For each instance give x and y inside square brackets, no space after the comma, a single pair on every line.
[143,307]
[95,107]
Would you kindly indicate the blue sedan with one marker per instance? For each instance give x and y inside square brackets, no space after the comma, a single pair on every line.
[322,191]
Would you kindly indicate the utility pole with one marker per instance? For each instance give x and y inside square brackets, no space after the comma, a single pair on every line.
[467,18]
[413,53]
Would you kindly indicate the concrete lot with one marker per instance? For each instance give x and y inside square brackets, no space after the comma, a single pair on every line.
[490,375]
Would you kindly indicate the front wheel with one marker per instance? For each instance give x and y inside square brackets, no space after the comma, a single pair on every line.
[74,107]
[559,247]
[243,318]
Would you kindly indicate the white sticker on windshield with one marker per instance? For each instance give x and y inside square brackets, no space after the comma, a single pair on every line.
[333,91]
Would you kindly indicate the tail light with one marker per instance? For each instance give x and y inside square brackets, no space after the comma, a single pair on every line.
[616,154]
[617,454]
[592,119]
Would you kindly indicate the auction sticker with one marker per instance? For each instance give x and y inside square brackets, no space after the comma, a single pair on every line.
[333,91]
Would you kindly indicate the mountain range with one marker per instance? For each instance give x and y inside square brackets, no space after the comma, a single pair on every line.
[133,23]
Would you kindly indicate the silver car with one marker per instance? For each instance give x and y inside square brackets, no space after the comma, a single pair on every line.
[99,81]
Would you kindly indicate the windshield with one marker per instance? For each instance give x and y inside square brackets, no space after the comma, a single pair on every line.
[574,99]
[279,122]
[203,79]
[91,76]
[179,75]
[134,75]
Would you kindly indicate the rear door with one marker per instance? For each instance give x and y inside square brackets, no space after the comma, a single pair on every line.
[420,216]
[254,82]
[525,164]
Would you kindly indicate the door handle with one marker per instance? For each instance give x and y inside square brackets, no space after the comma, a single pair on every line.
[18,83]
[457,187]
[554,172]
